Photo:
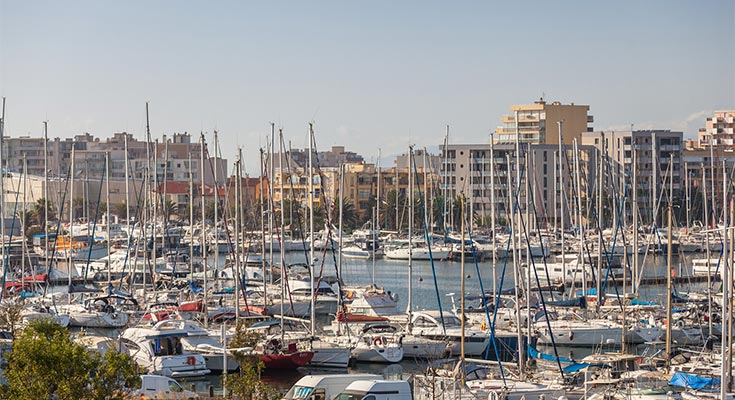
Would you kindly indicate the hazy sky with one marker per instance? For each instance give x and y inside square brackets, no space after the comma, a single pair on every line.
[370,74]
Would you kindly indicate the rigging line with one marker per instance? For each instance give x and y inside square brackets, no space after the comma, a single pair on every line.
[428,244]
[94,226]
[526,236]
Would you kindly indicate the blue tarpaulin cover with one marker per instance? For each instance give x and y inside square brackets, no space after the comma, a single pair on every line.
[533,353]
[693,381]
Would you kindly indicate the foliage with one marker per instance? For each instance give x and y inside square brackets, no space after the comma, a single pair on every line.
[170,208]
[46,362]
[38,213]
[11,314]
[120,209]
[246,383]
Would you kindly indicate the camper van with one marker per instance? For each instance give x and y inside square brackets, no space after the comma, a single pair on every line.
[163,387]
[376,390]
[324,387]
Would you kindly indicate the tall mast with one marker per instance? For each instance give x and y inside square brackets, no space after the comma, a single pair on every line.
[107,199]
[238,211]
[409,307]
[266,274]
[727,281]
[280,230]
[462,290]
[726,310]
[707,248]
[341,209]
[2,193]
[147,195]
[216,208]
[45,191]
[492,210]
[654,180]
[203,246]
[634,206]
[686,195]
[669,265]
[271,183]
[71,221]
[191,216]
[312,316]
[562,191]
[127,185]
[600,179]
[377,207]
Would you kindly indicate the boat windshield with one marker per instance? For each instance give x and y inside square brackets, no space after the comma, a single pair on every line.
[167,347]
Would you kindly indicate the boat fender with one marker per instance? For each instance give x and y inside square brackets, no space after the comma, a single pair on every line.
[191,360]
[350,294]
[571,335]
[378,341]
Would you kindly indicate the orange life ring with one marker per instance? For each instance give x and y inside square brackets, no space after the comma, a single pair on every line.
[378,341]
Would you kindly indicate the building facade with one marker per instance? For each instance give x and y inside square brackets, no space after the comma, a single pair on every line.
[537,123]
[719,130]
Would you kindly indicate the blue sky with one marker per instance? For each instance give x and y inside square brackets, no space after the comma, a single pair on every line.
[378,74]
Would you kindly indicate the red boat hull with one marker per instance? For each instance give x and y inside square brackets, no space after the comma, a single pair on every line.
[286,361]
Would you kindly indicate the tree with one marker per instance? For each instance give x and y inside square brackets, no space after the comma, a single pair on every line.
[46,362]
[11,314]
[121,210]
[350,219]
[39,212]
[246,383]
[169,208]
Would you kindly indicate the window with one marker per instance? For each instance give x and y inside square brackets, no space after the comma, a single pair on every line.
[174,387]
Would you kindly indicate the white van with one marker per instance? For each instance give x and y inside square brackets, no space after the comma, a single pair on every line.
[163,387]
[323,387]
[376,390]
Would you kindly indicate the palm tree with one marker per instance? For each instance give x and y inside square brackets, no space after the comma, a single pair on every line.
[39,212]
[169,208]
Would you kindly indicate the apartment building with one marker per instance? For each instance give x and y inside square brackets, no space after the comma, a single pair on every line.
[659,154]
[719,130]
[538,123]
[471,170]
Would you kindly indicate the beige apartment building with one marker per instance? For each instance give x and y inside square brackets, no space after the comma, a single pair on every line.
[719,130]
[537,123]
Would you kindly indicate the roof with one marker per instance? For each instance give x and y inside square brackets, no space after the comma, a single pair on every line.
[174,188]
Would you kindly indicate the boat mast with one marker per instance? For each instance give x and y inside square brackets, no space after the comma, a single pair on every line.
[312,316]
[262,230]
[409,306]
[203,246]
[707,249]
[516,250]
[191,217]
[2,195]
[377,207]
[109,235]
[669,265]
[282,248]
[238,218]
[726,310]
[216,210]
[127,187]
[45,191]
[562,191]
[600,179]
[341,208]
[634,206]
[462,301]
[492,211]
[686,196]
[69,246]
